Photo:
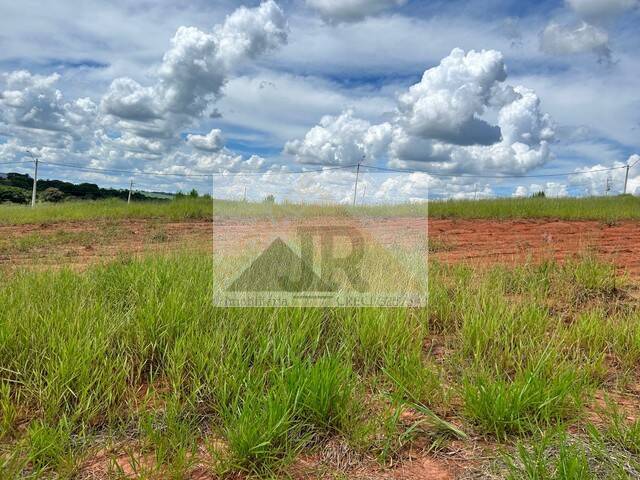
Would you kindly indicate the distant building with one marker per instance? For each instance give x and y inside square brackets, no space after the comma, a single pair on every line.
[3,175]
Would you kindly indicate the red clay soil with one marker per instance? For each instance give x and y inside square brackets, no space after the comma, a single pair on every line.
[87,243]
[481,242]
[515,241]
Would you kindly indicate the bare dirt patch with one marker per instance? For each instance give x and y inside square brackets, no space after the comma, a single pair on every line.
[79,244]
[478,242]
[517,241]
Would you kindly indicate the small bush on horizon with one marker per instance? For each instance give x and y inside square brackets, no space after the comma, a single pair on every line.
[52,195]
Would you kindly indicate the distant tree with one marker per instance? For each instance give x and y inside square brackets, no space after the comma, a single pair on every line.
[539,194]
[207,196]
[13,195]
[179,195]
[269,199]
[193,193]
[53,195]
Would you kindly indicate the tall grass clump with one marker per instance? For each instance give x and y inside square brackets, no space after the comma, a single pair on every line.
[551,457]
[518,377]
[535,398]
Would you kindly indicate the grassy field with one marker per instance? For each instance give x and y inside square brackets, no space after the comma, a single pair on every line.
[128,368]
[594,208]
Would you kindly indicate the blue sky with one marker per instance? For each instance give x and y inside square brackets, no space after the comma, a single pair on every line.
[283,86]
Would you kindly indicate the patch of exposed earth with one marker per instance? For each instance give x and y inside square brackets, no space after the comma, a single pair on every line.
[481,242]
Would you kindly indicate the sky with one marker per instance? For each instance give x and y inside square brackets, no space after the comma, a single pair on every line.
[436,99]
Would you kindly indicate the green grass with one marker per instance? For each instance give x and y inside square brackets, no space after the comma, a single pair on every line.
[605,209]
[620,430]
[132,357]
[553,457]
[557,455]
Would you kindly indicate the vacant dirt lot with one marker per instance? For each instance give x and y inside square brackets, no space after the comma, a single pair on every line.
[483,242]
[516,241]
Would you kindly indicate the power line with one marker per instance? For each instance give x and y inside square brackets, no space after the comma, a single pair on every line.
[128,172]
[371,168]
[16,162]
[193,175]
[445,175]
[324,169]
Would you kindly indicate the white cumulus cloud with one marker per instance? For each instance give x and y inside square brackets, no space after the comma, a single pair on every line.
[550,189]
[33,101]
[438,124]
[446,103]
[596,179]
[135,123]
[211,142]
[193,72]
[341,140]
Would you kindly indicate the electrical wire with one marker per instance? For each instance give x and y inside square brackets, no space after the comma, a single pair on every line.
[325,169]
[370,168]
[16,162]
[191,175]
[445,175]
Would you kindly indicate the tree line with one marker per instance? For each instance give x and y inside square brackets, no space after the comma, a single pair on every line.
[17,188]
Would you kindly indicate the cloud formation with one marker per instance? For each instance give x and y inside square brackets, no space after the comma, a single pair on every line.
[157,106]
[594,180]
[33,101]
[438,124]
[135,122]
[446,103]
[338,11]
[590,33]
[193,72]
[559,39]
[598,11]
[211,142]
[550,189]
[341,140]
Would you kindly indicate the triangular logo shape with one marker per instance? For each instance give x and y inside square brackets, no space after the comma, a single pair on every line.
[279,269]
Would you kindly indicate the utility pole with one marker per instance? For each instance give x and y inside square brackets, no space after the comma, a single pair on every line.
[244,198]
[35,179]
[475,193]
[626,178]
[130,189]
[607,186]
[355,189]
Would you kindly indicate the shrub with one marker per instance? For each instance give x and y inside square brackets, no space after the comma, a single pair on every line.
[52,195]
[13,195]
